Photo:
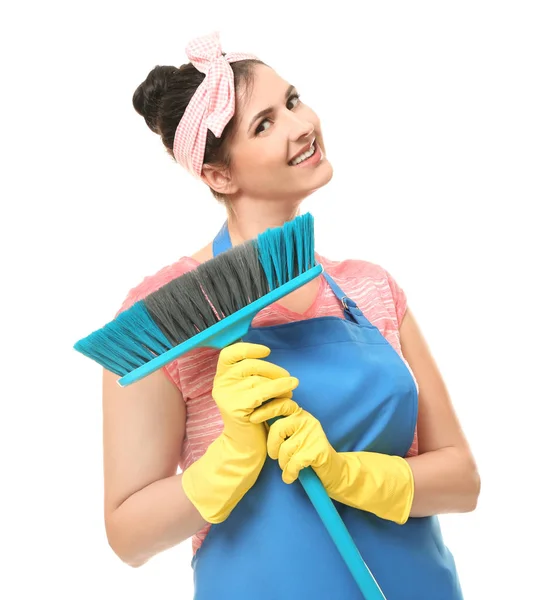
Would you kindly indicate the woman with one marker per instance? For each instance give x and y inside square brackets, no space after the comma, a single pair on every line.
[346,366]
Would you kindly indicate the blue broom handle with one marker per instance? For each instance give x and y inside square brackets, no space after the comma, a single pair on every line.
[339,533]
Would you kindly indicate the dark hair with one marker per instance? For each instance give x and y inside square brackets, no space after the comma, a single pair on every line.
[164,95]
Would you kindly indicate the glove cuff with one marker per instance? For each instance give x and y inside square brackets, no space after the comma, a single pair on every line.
[378,483]
[217,481]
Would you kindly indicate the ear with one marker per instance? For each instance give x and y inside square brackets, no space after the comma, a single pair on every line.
[219,179]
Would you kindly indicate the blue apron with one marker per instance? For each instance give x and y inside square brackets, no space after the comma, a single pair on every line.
[273,545]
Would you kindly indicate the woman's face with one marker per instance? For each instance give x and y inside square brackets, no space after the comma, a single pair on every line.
[264,145]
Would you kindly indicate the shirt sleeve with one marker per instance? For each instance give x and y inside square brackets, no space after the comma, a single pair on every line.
[398,296]
[400,305]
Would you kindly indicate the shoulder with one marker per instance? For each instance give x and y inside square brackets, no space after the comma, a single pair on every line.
[151,283]
[369,284]
[351,268]
[357,269]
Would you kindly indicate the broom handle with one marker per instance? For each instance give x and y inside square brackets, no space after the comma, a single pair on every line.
[339,533]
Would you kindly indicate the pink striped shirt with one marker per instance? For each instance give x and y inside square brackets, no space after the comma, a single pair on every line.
[373,289]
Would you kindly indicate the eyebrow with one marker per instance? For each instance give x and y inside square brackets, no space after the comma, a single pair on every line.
[267,111]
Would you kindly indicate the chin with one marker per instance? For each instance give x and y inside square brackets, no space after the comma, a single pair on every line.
[324,178]
[325,174]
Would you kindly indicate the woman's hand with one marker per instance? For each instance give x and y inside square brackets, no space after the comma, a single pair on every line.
[229,468]
[242,383]
[297,441]
[377,483]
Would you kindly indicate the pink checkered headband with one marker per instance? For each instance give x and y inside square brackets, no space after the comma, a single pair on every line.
[213,104]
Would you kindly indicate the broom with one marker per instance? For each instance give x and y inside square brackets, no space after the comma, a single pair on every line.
[213,306]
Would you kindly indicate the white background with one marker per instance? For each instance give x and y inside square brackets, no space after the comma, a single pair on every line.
[439,116]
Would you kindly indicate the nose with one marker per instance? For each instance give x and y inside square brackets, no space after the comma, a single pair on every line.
[300,128]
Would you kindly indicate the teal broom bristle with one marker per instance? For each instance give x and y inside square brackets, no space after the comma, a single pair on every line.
[287,251]
[199,299]
[131,339]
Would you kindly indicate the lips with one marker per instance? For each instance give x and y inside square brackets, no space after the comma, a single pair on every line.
[304,149]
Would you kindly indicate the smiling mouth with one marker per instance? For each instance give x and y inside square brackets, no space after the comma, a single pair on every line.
[305,155]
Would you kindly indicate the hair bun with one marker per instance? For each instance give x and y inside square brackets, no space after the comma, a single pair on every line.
[147,98]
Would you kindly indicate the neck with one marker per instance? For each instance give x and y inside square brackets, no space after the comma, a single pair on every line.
[247,220]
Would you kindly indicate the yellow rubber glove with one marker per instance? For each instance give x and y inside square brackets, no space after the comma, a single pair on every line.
[377,483]
[222,476]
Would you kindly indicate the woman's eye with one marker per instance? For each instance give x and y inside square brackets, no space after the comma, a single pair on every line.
[259,130]
[293,96]
[296,96]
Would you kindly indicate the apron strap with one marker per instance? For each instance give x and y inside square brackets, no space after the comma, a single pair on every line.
[351,310]
[223,242]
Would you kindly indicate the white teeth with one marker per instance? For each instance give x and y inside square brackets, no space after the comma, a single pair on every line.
[303,156]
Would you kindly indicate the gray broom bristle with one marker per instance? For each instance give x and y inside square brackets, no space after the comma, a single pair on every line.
[229,282]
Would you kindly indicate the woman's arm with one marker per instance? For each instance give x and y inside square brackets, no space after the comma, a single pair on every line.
[445,474]
[146,509]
